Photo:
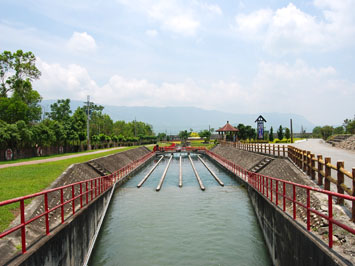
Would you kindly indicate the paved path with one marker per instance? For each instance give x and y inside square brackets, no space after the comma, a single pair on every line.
[57,158]
[319,146]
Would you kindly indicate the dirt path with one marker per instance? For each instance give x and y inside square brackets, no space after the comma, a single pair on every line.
[57,158]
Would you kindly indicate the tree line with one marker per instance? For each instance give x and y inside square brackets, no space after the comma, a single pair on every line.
[22,123]
[325,132]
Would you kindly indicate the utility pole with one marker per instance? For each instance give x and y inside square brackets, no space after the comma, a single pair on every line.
[291,130]
[88,123]
[134,126]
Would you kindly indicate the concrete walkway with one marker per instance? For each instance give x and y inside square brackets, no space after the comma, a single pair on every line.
[57,158]
[319,146]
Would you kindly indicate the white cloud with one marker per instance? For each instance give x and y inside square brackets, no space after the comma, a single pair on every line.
[277,87]
[299,88]
[289,29]
[178,17]
[254,24]
[151,33]
[57,81]
[81,42]
[213,8]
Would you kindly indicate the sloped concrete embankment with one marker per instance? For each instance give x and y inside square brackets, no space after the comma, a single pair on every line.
[70,237]
[288,241]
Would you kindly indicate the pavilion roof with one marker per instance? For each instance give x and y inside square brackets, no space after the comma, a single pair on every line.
[227,128]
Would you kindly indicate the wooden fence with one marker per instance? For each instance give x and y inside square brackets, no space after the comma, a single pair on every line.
[275,150]
[313,166]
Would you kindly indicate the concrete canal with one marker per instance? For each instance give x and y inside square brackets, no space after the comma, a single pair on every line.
[180,226]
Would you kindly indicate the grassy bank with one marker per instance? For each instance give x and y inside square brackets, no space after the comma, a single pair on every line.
[28,179]
[48,157]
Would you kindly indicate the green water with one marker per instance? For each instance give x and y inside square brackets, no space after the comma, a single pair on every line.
[180,226]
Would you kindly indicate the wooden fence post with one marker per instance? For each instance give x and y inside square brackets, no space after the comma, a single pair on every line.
[283,149]
[313,172]
[327,173]
[278,150]
[308,163]
[353,194]
[273,149]
[320,168]
[340,175]
[304,161]
[300,158]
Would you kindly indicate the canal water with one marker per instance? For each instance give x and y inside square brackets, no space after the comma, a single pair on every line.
[180,226]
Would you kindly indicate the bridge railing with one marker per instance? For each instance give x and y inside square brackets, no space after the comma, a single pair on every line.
[181,149]
[281,192]
[313,166]
[80,194]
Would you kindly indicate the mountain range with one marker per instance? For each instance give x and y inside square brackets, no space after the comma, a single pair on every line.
[171,120]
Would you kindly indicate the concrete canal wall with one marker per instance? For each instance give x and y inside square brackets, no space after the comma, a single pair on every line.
[288,242]
[68,244]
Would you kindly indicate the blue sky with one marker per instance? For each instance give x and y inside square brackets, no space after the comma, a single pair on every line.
[235,56]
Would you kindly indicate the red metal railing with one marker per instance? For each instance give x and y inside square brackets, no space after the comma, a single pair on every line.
[181,149]
[82,192]
[275,189]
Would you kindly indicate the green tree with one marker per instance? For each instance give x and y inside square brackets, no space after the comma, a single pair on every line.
[15,69]
[43,135]
[271,135]
[161,136]
[349,126]
[250,132]
[26,134]
[58,129]
[78,125]
[327,131]
[242,133]
[339,130]
[317,132]
[18,101]
[280,133]
[205,134]
[60,111]
[184,135]
[9,135]
[287,133]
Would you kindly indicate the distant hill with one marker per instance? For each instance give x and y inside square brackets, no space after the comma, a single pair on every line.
[173,119]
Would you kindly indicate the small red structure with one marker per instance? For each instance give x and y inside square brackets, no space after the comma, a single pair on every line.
[228,128]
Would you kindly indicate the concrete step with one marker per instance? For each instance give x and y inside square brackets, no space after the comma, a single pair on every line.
[260,165]
[102,171]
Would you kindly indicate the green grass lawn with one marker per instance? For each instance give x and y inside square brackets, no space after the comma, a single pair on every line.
[48,157]
[28,179]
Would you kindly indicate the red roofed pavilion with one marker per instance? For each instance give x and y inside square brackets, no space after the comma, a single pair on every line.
[228,128]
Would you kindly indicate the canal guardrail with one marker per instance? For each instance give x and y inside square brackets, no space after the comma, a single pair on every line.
[274,190]
[307,161]
[149,173]
[82,194]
